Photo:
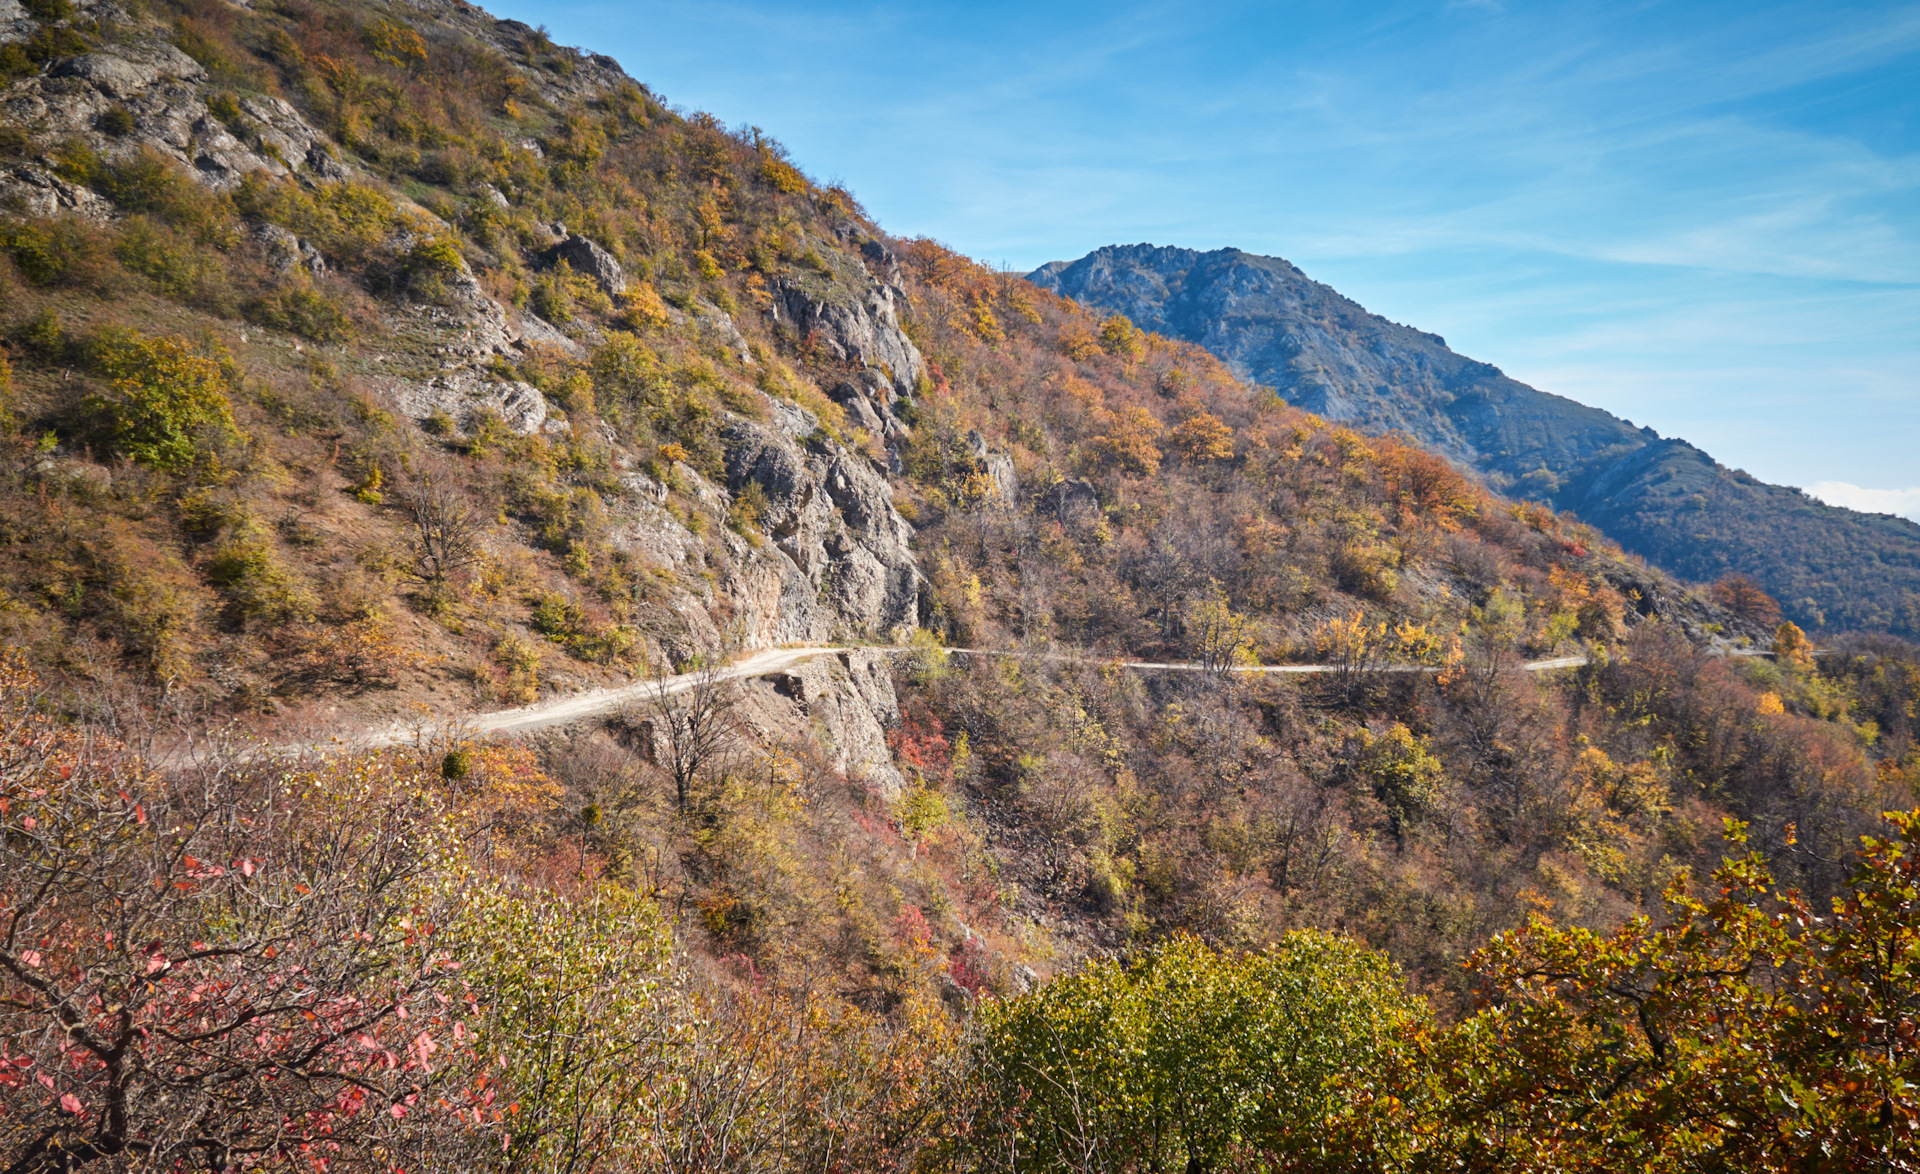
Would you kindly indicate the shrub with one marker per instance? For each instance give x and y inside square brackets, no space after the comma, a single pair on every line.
[1188,1056]
[168,407]
[149,182]
[260,587]
[567,624]
[64,252]
[428,268]
[178,267]
[301,308]
[116,121]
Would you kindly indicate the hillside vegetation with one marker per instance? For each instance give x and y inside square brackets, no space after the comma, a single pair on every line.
[371,364]
[1832,569]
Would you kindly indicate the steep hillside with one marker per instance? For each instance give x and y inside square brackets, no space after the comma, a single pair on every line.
[1662,499]
[381,364]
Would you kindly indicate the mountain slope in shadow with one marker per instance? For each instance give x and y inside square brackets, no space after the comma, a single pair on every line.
[1661,498]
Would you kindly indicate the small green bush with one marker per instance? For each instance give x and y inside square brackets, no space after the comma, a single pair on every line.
[429,268]
[116,121]
[567,624]
[301,308]
[176,265]
[168,407]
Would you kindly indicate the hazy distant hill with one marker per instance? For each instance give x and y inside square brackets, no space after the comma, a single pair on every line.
[1661,498]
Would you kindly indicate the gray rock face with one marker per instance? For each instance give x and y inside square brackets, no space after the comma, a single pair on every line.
[33,192]
[590,260]
[287,252]
[129,74]
[717,322]
[465,397]
[856,325]
[1074,504]
[160,87]
[999,468]
[15,24]
[841,562]
[849,700]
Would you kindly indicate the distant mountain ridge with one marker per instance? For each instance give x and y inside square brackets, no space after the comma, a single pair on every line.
[1661,498]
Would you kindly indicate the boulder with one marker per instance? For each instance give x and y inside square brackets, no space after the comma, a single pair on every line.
[287,252]
[1074,504]
[322,164]
[589,259]
[128,72]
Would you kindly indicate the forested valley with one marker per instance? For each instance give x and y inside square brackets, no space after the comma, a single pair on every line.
[372,367]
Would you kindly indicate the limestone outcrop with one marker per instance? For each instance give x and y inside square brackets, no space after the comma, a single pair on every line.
[841,561]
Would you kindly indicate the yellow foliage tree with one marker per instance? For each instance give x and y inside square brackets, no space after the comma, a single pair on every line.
[1130,441]
[1120,338]
[1791,646]
[1078,341]
[1203,437]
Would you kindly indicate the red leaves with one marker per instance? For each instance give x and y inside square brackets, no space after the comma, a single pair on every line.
[70,1103]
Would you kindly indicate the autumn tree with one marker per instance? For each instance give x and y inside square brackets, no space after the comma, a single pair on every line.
[1221,637]
[1202,438]
[583,1017]
[1403,774]
[1791,646]
[445,527]
[1130,442]
[696,724]
[1746,599]
[1123,340]
[217,970]
[1743,1029]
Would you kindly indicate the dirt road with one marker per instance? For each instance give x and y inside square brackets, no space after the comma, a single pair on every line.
[561,711]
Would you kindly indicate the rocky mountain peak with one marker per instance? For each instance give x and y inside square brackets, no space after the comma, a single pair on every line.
[1667,501]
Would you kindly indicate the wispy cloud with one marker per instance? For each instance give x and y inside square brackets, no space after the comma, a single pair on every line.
[1904,502]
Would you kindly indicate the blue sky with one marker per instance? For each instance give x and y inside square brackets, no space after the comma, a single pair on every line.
[1701,216]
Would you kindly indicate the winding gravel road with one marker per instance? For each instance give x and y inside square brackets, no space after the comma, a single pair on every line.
[594,702]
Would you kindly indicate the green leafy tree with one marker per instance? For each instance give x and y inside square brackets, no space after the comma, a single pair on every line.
[583,1014]
[1187,1057]
[168,407]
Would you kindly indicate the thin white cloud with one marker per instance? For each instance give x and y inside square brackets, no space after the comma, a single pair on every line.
[1904,502]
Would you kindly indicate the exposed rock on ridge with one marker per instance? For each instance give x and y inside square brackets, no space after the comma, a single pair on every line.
[1662,499]
[839,563]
